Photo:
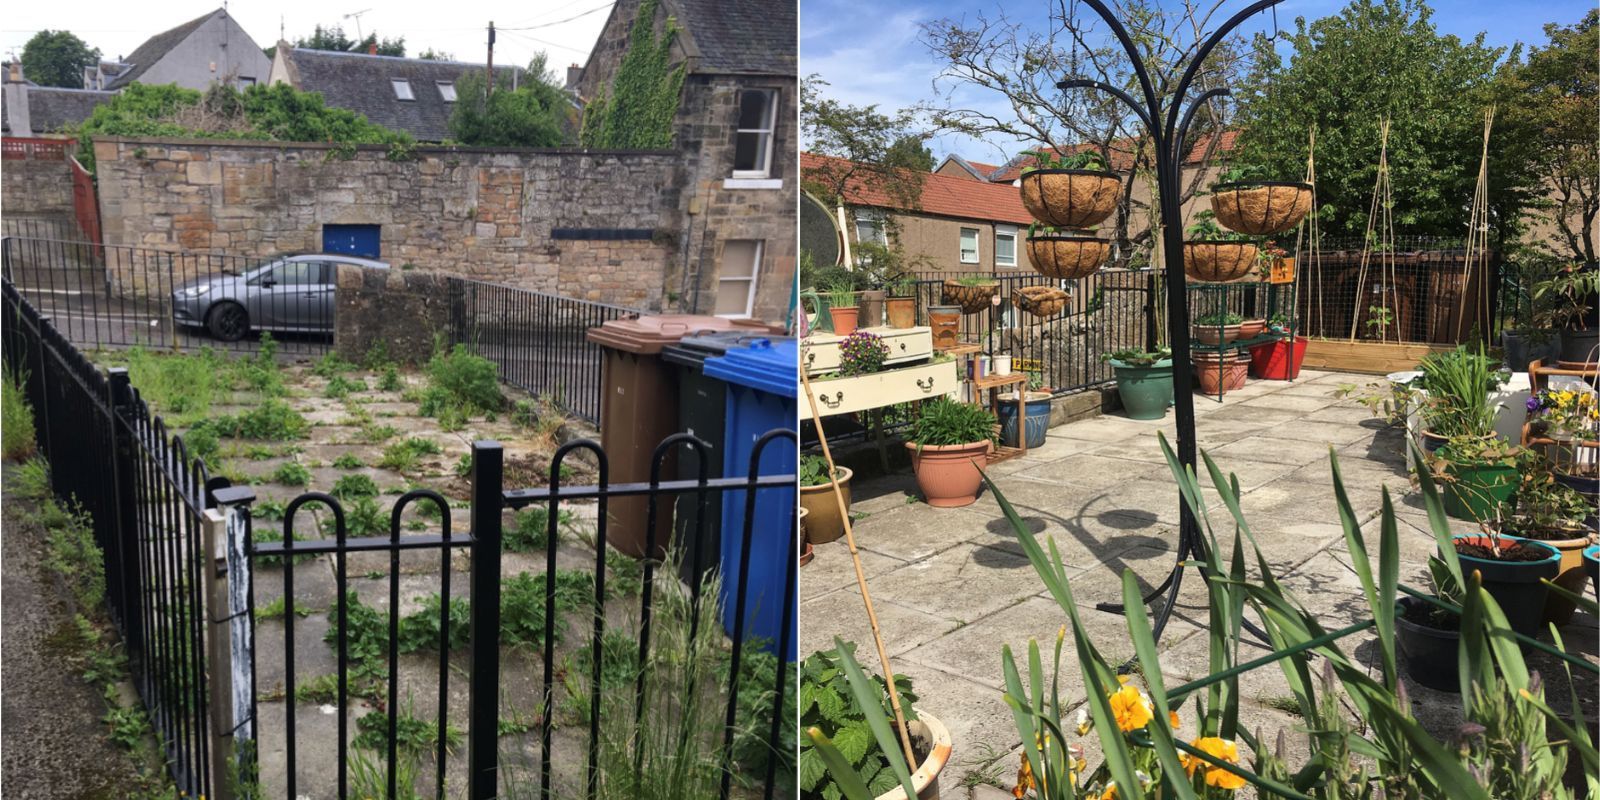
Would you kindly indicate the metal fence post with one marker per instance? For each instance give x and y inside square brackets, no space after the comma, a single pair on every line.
[126,507]
[483,690]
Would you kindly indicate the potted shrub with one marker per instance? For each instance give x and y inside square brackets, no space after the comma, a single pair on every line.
[1547,511]
[842,308]
[1217,372]
[949,444]
[1074,191]
[1144,381]
[1454,401]
[1512,571]
[971,293]
[1037,406]
[1566,302]
[1531,330]
[1213,254]
[1220,327]
[1064,255]
[901,307]
[823,523]
[1479,474]
[1258,207]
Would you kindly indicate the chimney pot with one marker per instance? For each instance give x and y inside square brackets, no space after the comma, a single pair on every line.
[372,47]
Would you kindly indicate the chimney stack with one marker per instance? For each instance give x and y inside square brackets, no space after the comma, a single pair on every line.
[372,46]
[574,74]
[15,75]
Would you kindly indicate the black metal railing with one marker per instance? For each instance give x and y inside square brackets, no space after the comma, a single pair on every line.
[145,499]
[537,339]
[103,297]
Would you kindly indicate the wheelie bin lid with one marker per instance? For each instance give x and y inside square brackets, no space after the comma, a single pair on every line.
[771,365]
[692,351]
[648,333]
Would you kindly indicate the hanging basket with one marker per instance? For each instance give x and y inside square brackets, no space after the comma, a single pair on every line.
[1218,262]
[1066,257]
[1261,208]
[1070,198]
[971,299]
[1040,301]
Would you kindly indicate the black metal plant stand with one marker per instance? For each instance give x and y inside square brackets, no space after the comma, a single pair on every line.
[1168,129]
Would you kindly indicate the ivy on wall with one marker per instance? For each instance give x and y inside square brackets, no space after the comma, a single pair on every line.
[636,112]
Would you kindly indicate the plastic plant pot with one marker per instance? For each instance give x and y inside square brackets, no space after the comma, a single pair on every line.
[1557,609]
[1431,653]
[1037,425]
[1278,361]
[1591,565]
[1146,391]
[1515,585]
[1477,491]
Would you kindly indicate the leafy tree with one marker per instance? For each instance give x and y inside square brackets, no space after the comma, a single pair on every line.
[283,113]
[431,54]
[912,151]
[57,58]
[873,148]
[1376,59]
[1551,114]
[529,116]
[333,38]
[637,110]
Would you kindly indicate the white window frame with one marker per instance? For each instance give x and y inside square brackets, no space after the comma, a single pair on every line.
[1007,232]
[977,246]
[754,279]
[766,134]
[399,84]
[876,219]
[447,90]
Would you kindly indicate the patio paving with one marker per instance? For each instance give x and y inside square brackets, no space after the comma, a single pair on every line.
[951,585]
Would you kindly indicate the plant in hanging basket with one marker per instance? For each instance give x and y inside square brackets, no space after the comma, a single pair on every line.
[1259,207]
[1216,255]
[1064,255]
[1074,191]
[1219,327]
[971,293]
[1040,301]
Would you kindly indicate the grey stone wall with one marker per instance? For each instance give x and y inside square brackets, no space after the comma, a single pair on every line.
[36,188]
[403,309]
[488,214]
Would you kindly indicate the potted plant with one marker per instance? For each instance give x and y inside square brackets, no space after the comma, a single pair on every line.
[1065,255]
[949,444]
[1428,635]
[901,310]
[1037,409]
[862,353]
[1279,324]
[1144,381]
[1547,511]
[1251,328]
[1040,301]
[971,293]
[1219,327]
[1513,571]
[1258,207]
[1567,300]
[1213,254]
[1279,360]
[1218,372]
[1454,401]
[842,308]
[823,523]
[1072,191]
[1479,474]
[806,550]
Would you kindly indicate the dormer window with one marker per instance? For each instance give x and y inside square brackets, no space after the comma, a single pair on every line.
[402,88]
[447,91]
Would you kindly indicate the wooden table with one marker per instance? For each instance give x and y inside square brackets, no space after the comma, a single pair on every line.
[994,383]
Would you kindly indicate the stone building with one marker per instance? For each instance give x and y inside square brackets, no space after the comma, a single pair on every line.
[736,131]
[194,55]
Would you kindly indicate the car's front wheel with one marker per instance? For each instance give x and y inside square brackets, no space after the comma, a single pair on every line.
[228,322]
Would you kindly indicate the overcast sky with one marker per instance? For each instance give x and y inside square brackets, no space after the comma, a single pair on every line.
[883,63]
[565,29]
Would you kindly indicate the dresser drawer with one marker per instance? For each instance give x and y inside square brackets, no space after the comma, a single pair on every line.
[820,352]
[862,392]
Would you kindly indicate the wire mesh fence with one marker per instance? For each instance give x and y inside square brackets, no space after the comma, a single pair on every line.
[1415,290]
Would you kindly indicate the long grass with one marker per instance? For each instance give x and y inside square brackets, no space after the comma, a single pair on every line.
[17,436]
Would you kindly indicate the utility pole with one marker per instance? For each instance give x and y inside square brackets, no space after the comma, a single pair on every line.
[488,69]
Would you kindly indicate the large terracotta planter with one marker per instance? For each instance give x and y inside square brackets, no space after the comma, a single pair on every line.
[930,740]
[1040,301]
[1070,198]
[1261,208]
[949,475]
[1216,373]
[1067,257]
[1218,262]
[902,312]
[844,320]
[971,299]
[823,523]
[1216,334]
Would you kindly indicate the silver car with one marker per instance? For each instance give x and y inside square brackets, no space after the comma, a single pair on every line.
[283,294]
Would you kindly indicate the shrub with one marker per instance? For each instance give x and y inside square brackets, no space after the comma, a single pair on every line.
[389,380]
[460,378]
[350,487]
[201,442]
[403,455]
[273,419]
[16,418]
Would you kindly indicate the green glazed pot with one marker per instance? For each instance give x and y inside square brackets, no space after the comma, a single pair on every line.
[1478,491]
[1146,391]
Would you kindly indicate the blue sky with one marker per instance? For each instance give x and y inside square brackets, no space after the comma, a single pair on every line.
[869,53]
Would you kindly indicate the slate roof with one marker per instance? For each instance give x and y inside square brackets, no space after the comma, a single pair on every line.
[742,37]
[155,48]
[52,110]
[361,83]
[942,195]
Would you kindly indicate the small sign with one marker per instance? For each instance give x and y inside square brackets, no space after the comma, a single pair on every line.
[1281,271]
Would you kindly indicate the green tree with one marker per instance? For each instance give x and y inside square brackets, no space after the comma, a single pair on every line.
[529,116]
[431,54]
[912,151]
[57,58]
[334,38]
[1376,59]
[867,146]
[637,110]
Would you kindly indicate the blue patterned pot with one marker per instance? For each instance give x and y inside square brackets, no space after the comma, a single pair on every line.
[1038,423]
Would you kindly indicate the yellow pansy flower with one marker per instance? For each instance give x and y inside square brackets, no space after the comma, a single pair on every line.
[1131,708]
[1220,749]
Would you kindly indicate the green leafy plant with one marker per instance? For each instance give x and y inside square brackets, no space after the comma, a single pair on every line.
[403,455]
[842,295]
[813,470]
[1242,173]
[261,534]
[340,386]
[1458,383]
[977,281]
[637,110]
[461,382]
[1085,158]
[1206,229]
[531,528]
[292,473]
[421,629]
[945,422]
[347,461]
[16,417]
[1544,508]
[349,487]
[389,379]
[1218,318]
[1135,357]
[831,705]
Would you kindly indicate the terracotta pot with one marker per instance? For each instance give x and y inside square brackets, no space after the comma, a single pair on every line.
[1040,301]
[1218,262]
[1251,328]
[871,305]
[1212,380]
[1260,208]
[930,741]
[823,523]
[946,324]
[1214,334]
[948,475]
[902,312]
[1070,198]
[806,550]
[844,320]
[1066,257]
[971,299]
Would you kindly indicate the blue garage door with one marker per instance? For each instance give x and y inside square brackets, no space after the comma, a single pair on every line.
[357,240]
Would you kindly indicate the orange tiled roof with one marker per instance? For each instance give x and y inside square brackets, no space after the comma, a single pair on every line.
[942,195]
[1121,156]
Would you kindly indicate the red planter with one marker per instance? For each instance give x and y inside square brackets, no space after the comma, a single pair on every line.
[1273,360]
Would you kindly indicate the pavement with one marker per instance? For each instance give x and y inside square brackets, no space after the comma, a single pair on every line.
[951,586]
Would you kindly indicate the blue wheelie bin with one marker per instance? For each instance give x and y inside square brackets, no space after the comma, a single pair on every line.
[761,396]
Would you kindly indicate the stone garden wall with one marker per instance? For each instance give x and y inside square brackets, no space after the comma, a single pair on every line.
[36,187]
[592,225]
[403,309]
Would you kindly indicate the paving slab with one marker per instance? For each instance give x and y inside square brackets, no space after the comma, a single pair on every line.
[902,627]
[832,568]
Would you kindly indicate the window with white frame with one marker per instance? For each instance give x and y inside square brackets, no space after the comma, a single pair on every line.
[402,88]
[969,245]
[737,276]
[870,228]
[1005,245]
[447,91]
[752,147]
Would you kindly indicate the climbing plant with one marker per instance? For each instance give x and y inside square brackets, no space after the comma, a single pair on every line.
[636,111]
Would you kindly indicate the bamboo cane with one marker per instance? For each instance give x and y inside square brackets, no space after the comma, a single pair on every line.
[861,576]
